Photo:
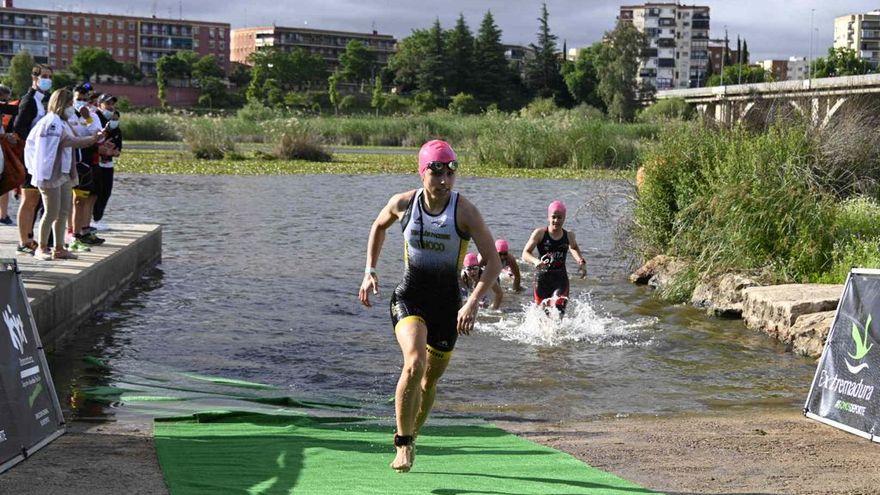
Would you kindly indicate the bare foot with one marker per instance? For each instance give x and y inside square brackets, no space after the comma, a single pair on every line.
[404,460]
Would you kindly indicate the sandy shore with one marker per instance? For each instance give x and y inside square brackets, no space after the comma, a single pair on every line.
[778,452]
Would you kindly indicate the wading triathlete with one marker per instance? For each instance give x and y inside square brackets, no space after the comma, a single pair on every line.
[470,277]
[553,243]
[509,265]
[426,307]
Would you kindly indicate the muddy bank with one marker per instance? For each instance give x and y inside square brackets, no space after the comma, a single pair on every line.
[775,452]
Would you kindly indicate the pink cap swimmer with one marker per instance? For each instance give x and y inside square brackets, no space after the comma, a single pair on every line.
[470,259]
[556,207]
[501,246]
[434,151]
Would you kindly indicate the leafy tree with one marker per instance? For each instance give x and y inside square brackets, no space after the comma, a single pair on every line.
[617,64]
[131,72]
[206,67]
[460,58]
[289,72]
[432,71]
[378,99]
[333,91]
[91,61]
[171,67]
[581,77]
[64,79]
[405,63]
[840,62]
[464,104]
[357,62]
[542,72]
[19,76]
[239,74]
[213,91]
[749,74]
[497,82]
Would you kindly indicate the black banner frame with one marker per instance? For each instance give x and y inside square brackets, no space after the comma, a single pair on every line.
[821,361]
[11,265]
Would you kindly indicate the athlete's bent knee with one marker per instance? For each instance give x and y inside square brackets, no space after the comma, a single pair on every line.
[414,366]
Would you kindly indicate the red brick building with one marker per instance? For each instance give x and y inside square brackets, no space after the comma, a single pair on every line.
[54,37]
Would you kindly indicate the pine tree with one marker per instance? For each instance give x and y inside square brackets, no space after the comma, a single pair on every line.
[542,73]
[460,59]
[432,71]
[745,52]
[494,83]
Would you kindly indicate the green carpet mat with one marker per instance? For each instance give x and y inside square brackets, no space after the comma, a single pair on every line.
[253,453]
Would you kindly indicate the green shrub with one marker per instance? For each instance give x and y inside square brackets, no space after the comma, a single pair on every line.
[851,253]
[464,104]
[256,112]
[148,127]
[539,107]
[208,138]
[669,109]
[857,217]
[395,104]
[424,102]
[298,142]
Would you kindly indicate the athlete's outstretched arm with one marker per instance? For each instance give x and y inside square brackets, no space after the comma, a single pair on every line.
[514,270]
[389,214]
[576,254]
[499,295]
[530,246]
[472,223]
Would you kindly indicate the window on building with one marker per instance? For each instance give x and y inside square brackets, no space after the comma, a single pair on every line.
[76,21]
[130,26]
[120,52]
[130,39]
[222,45]
[131,52]
[99,37]
[64,62]
[222,33]
[75,36]
[118,24]
[87,23]
[64,49]
[195,43]
[210,43]
[195,30]
[120,38]
[75,49]
[87,36]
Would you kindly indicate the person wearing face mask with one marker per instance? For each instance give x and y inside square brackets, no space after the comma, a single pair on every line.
[50,159]
[31,108]
[85,122]
[104,173]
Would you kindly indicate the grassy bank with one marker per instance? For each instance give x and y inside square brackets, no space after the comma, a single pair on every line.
[785,204]
[575,138]
[175,162]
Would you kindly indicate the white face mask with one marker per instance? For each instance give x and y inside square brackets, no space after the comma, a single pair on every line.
[78,104]
[107,114]
[114,124]
[45,84]
[69,113]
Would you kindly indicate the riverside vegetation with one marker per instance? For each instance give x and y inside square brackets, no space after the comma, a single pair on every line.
[784,203]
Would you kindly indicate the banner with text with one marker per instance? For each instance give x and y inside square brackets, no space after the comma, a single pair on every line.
[30,415]
[843,393]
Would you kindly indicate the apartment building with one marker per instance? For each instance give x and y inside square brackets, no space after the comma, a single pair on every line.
[54,37]
[678,39]
[860,32]
[328,44]
[793,69]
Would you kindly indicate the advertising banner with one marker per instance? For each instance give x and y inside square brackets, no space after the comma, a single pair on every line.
[30,416]
[846,388]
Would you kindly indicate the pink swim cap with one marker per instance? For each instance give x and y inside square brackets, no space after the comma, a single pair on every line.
[501,246]
[434,151]
[470,259]
[556,206]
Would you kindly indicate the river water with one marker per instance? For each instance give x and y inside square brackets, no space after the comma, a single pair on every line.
[259,281]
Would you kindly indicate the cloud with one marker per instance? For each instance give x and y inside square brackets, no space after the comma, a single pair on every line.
[773,28]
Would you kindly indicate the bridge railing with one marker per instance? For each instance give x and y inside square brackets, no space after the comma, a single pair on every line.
[853,83]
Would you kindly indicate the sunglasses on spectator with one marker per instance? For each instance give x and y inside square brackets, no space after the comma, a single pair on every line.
[502,253]
[438,166]
[471,268]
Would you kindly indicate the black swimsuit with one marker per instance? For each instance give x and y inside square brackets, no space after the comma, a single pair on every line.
[551,279]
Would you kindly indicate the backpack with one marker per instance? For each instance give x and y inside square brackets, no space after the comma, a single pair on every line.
[7,117]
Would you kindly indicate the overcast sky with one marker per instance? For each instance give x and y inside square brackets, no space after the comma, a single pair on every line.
[773,28]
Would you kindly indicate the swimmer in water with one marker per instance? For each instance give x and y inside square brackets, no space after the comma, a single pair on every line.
[426,307]
[470,277]
[509,265]
[553,244]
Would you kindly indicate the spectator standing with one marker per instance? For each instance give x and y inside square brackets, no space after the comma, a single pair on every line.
[104,173]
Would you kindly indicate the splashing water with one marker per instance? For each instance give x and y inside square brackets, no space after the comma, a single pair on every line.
[582,323]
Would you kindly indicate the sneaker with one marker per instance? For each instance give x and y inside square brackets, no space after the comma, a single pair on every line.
[90,230]
[79,247]
[44,256]
[63,254]
[100,226]
[28,250]
[91,239]
[6,220]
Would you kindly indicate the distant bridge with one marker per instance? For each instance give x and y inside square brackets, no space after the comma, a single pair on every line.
[818,99]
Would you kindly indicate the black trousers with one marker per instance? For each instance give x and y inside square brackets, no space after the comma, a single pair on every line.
[103,187]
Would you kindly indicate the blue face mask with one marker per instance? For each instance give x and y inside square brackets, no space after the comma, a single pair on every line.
[114,124]
[45,84]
